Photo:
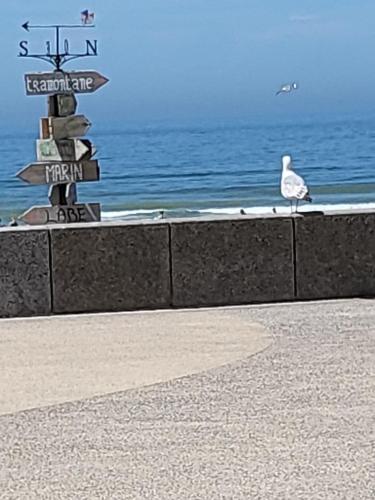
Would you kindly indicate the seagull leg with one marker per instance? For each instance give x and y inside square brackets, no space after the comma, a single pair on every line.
[297,206]
[291,206]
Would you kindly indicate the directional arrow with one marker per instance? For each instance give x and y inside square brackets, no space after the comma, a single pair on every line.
[65,128]
[27,26]
[78,82]
[64,150]
[59,172]
[62,214]
[83,149]
[71,126]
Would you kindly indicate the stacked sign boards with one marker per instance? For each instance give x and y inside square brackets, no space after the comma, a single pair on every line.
[64,158]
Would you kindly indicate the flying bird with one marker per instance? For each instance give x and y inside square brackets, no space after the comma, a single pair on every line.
[293,187]
[287,88]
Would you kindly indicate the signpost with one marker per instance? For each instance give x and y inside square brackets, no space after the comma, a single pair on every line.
[63,150]
[60,172]
[79,82]
[89,212]
[62,128]
[64,158]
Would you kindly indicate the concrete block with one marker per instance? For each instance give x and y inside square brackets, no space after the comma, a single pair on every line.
[335,256]
[24,273]
[110,268]
[225,262]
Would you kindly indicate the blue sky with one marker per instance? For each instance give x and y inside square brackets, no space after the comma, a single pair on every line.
[189,60]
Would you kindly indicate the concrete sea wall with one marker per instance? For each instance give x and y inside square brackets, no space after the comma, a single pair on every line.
[185,263]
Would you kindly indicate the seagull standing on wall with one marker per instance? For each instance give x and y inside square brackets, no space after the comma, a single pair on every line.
[293,187]
[287,88]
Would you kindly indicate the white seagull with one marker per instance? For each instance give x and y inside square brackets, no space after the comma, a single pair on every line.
[293,187]
[287,88]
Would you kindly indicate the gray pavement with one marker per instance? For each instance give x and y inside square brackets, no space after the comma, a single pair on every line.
[294,421]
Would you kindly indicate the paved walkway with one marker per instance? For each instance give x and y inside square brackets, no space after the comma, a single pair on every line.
[294,421]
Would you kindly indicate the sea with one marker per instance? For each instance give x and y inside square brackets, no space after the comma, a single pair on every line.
[208,169]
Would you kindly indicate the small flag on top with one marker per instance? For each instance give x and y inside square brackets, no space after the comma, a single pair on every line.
[87,17]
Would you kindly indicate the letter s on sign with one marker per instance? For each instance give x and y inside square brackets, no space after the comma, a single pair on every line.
[24,48]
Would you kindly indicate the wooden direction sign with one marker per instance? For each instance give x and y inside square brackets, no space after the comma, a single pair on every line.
[60,172]
[64,128]
[68,214]
[64,150]
[78,82]
[62,105]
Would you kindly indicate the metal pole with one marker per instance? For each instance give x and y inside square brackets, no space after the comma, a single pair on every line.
[58,48]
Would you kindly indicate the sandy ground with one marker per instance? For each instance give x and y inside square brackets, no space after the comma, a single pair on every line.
[294,421]
[55,360]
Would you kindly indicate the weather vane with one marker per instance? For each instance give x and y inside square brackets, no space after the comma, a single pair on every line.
[58,53]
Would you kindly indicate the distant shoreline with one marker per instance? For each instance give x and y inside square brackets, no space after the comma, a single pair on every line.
[211,213]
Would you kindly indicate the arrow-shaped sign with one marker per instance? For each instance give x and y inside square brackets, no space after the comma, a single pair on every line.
[59,172]
[27,26]
[78,82]
[64,150]
[62,214]
[64,128]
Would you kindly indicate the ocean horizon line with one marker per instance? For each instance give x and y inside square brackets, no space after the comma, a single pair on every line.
[130,126]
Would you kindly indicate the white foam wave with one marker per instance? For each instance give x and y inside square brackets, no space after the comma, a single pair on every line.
[123,214]
[286,209]
[188,212]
